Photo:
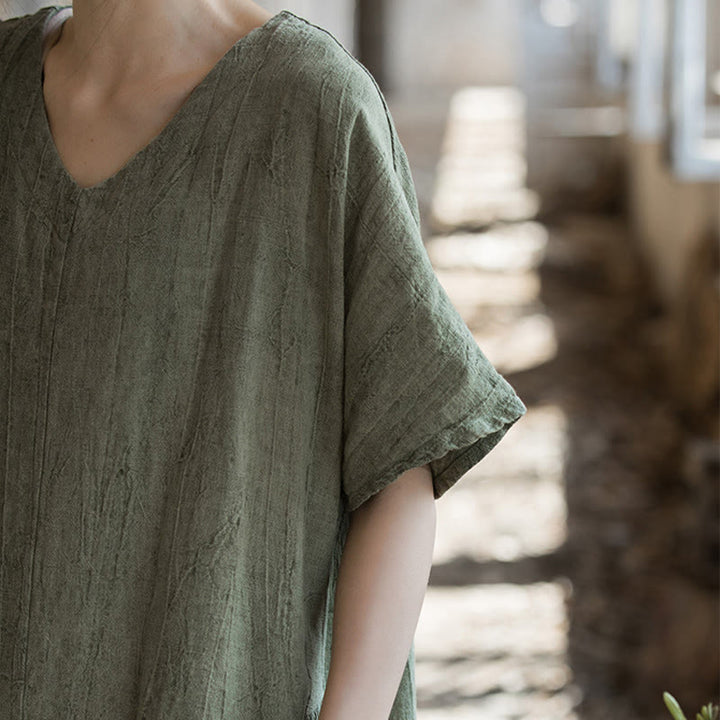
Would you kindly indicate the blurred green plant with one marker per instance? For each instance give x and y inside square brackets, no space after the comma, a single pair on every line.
[708,712]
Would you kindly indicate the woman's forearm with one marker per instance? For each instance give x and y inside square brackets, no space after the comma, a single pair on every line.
[382,578]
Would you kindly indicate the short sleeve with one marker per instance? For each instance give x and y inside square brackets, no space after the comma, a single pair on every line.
[417,387]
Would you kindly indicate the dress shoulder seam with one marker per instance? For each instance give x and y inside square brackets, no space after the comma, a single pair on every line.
[368,73]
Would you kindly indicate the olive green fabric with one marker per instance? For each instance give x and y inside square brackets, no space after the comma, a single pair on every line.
[209,360]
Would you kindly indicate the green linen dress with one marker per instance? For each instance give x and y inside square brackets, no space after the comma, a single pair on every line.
[208,360]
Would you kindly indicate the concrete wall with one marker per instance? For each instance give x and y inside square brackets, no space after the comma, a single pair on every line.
[669,217]
[677,227]
[451,44]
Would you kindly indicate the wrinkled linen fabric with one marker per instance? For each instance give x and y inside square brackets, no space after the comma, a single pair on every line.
[208,361]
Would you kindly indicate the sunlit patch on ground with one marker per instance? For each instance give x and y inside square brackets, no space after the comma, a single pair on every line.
[512,504]
[495,652]
[486,647]
[481,174]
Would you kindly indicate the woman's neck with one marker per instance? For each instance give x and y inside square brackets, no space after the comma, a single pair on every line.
[113,42]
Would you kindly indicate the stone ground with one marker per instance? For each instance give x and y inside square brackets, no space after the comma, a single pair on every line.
[550,549]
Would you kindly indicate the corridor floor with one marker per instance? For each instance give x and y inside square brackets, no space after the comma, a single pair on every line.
[521,618]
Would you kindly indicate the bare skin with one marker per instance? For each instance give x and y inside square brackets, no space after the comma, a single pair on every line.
[117,72]
[384,570]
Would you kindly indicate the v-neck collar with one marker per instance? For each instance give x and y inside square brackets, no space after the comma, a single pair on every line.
[158,158]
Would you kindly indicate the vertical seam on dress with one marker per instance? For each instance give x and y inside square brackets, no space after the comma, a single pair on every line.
[39,488]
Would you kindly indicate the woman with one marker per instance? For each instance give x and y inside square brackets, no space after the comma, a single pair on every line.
[232,385]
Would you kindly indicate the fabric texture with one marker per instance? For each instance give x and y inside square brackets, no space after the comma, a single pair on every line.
[208,361]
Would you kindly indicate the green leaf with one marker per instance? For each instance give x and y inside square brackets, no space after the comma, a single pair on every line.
[673,707]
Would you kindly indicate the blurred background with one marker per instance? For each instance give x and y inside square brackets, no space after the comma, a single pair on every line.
[566,156]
